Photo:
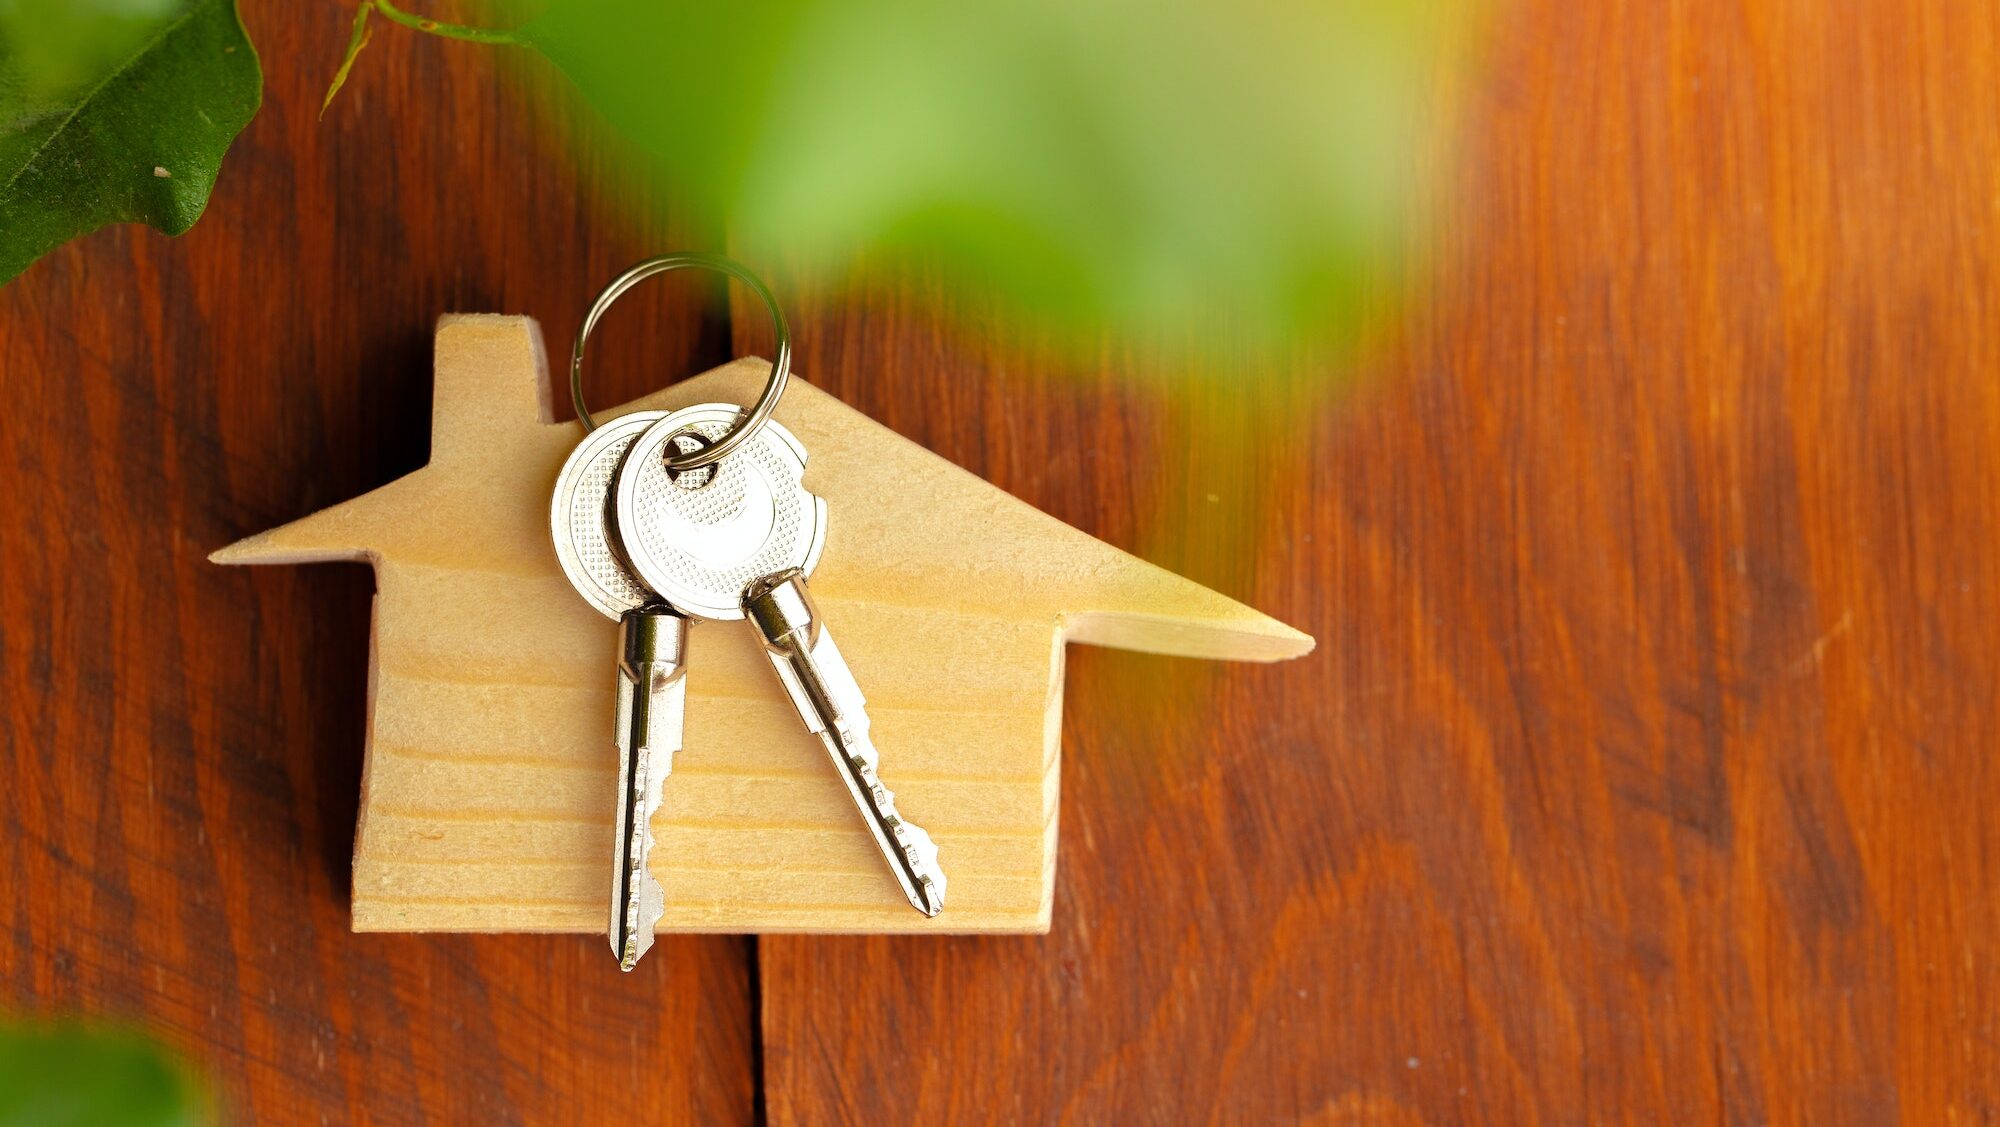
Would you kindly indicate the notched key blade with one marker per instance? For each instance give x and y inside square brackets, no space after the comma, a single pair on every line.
[924,859]
[824,692]
[639,901]
[652,698]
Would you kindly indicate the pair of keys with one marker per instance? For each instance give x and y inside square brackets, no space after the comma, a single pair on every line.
[665,519]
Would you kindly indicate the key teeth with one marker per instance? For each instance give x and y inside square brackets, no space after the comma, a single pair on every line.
[646,904]
[916,845]
[923,855]
[824,692]
[651,899]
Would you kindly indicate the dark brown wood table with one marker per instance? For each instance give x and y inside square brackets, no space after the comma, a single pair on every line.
[1645,770]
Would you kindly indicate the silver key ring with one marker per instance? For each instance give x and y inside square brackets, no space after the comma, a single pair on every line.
[748,422]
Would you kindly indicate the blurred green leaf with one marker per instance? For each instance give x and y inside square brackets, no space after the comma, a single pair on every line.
[1188,170]
[70,1076]
[115,111]
[1146,164]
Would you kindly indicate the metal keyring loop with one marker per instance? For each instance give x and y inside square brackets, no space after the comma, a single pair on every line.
[746,423]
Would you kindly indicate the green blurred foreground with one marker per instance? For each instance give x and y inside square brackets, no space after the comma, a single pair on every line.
[1173,169]
[70,1076]
[1151,165]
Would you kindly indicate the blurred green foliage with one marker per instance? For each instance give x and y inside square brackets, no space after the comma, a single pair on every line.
[1178,168]
[74,42]
[114,111]
[1174,170]
[1144,162]
[72,1076]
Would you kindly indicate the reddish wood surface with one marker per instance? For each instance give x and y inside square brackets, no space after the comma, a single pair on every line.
[183,741]
[1644,771]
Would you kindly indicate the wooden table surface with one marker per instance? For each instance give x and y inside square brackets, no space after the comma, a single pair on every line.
[1644,772]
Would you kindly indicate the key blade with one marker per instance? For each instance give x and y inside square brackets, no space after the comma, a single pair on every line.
[652,698]
[916,868]
[828,699]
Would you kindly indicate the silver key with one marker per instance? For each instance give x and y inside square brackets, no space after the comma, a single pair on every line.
[738,544]
[652,699]
[652,688]
[829,700]
[699,538]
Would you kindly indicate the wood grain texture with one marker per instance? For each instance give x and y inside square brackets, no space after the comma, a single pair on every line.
[1645,770]
[486,789]
[181,743]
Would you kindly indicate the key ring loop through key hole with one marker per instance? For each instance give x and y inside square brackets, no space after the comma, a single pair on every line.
[747,423]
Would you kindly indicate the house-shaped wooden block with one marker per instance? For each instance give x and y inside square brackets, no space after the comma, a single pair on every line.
[487,794]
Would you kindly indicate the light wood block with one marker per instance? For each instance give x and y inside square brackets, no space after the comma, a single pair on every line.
[487,790]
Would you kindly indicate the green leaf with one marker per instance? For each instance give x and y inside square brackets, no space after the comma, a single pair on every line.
[69,1076]
[1210,176]
[1163,166]
[107,117]
[355,42]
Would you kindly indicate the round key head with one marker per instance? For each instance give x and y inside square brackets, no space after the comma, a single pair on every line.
[581,512]
[700,537]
